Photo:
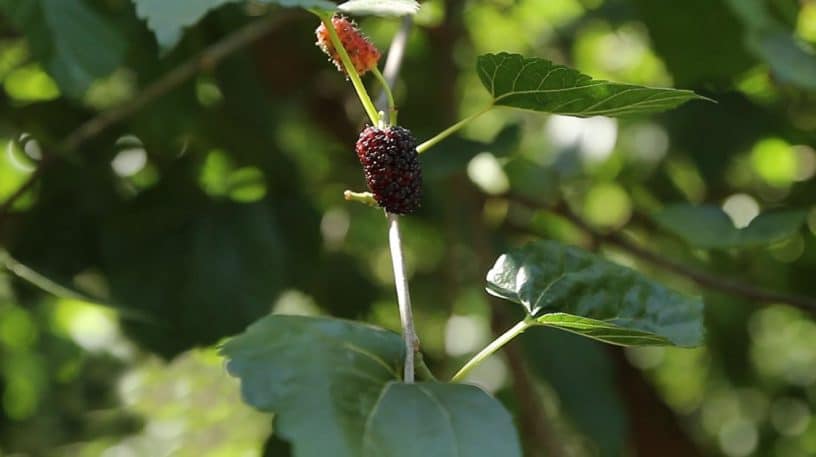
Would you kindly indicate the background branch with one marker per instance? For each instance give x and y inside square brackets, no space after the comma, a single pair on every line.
[206,60]
[393,63]
[700,277]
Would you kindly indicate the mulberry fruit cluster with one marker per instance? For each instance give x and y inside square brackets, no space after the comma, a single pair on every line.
[363,54]
[391,165]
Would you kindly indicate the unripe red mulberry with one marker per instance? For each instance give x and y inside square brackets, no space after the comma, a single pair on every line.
[391,166]
[363,54]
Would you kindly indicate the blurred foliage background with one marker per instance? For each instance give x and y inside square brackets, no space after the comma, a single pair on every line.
[133,255]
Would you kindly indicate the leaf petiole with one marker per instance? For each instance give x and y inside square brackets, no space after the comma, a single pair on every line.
[451,130]
[494,346]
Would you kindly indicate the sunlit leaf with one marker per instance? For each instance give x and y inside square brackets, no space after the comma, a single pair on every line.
[710,228]
[65,36]
[168,18]
[573,290]
[380,7]
[540,85]
[444,420]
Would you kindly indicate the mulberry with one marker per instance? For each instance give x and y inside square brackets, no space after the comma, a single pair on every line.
[363,54]
[391,165]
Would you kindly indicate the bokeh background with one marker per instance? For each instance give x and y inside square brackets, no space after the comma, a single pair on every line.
[134,255]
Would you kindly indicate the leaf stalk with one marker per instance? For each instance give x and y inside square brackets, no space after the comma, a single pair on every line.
[451,130]
[491,348]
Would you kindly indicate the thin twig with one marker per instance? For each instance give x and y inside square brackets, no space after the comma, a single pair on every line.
[207,59]
[5,208]
[702,278]
[403,297]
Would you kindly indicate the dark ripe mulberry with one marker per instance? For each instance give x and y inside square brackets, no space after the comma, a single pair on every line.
[391,166]
[362,52]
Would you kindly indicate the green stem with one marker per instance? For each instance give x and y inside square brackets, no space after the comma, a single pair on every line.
[366,198]
[450,130]
[362,94]
[392,107]
[491,348]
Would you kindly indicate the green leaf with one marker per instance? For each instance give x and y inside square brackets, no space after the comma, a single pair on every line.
[168,18]
[321,377]
[573,290]
[337,380]
[540,85]
[65,36]
[380,7]
[792,61]
[439,420]
[709,227]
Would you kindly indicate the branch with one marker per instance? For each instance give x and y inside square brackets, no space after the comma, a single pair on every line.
[206,60]
[396,52]
[403,297]
[702,278]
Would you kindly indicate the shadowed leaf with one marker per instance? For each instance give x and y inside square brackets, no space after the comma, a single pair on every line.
[573,290]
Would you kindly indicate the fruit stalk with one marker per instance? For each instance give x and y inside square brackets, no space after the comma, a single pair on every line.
[351,71]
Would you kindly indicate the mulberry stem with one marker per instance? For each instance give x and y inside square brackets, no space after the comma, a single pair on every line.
[403,297]
[362,93]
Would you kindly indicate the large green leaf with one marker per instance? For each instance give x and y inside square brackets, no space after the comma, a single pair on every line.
[168,18]
[540,85]
[573,290]
[332,385]
[380,7]
[66,35]
[710,228]
[439,420]
[321,377]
